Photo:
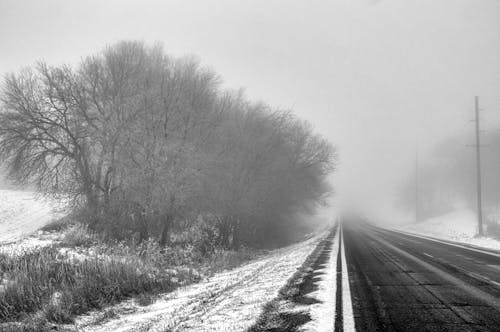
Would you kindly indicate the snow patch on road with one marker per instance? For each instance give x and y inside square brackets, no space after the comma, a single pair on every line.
[229,301]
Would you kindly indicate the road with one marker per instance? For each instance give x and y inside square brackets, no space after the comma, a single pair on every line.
[400,282]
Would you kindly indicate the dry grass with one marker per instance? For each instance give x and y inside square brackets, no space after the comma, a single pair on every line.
[77,236]
[53,284]
[47,283]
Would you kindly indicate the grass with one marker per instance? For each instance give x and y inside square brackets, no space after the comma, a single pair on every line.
[144,300]
[45,283]
[63,288]
[77,236]
[82,273]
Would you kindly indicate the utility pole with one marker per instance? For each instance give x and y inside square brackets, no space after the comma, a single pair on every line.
[416,186]
[478,170]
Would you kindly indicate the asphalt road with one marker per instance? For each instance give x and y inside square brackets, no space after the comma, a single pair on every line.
[405,283]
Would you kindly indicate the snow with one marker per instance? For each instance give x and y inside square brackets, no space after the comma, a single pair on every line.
[22,213]
[323,312]
[28,244]
[229,301]
[458,226]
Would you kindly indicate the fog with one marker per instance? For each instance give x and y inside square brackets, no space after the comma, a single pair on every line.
[379,79]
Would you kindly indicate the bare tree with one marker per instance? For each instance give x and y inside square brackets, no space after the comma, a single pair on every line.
[148,142]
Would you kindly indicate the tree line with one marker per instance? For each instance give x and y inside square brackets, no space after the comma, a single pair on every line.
[143,143]
[447,176]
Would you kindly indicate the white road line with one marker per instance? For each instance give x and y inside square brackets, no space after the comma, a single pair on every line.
[476,291]
[348,317]
[445,242]
[323,313]
[426,254]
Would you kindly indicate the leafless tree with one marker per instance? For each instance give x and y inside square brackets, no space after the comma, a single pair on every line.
[147,142]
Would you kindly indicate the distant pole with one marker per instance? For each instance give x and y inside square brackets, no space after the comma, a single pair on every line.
[416,186]
[478,170]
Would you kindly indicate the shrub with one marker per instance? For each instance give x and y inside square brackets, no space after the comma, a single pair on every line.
[58,313]
[78,236]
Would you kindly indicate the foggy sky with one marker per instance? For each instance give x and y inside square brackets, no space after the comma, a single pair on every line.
[377,78]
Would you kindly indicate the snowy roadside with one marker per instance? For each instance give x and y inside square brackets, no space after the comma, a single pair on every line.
[322,312]
[316,296]
[458,226]
[230,300]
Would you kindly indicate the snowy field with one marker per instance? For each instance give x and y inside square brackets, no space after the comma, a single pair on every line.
[228,301]
[22,213]
[458,226]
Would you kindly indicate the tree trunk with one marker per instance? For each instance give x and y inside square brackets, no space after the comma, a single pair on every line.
[236,234]
[224,232]
[92,209]
[144,230]
[165,231]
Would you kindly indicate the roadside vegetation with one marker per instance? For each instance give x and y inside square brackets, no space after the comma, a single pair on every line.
[169,176]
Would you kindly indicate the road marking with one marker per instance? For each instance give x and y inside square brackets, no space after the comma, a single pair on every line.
[347,312]
[466,272]
[474,290]
[444,242]
[339,312]
[494,266]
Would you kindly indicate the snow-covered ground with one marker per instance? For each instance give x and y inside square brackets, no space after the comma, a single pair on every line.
[458,226]
[23,212]
[228,301]
[323,312]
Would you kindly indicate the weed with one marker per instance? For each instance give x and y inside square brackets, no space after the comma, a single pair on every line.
[78,236]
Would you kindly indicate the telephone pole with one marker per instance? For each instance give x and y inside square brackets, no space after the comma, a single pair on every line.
[478,170]
[416,186]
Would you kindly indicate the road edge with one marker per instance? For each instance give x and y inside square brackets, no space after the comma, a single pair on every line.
[344,317]
[467,246]
[276,316]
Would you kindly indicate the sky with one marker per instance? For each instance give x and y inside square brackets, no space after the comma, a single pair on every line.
[378,78]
